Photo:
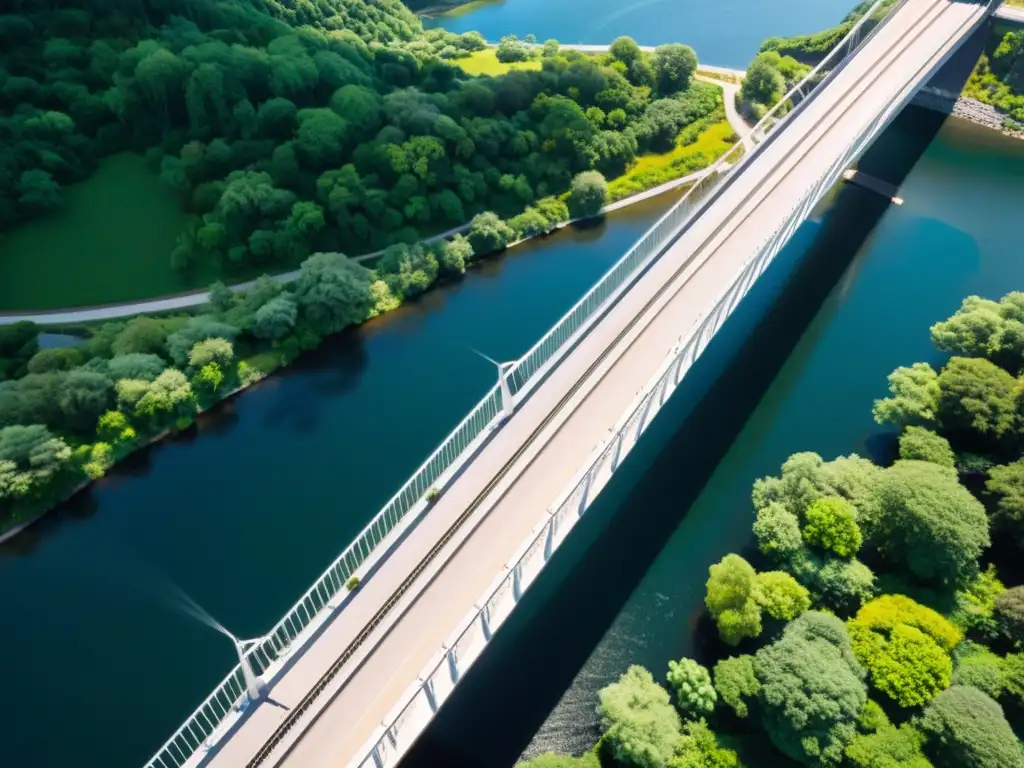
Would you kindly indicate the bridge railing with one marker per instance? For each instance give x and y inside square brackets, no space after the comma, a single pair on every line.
[416,708]
[212,718]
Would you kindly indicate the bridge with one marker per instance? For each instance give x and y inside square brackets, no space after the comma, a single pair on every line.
[357,669]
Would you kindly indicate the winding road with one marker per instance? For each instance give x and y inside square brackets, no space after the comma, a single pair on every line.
[189,299]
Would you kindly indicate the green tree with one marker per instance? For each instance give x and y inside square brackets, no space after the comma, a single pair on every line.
[642,730]
[219,351]
[929,523]
[56,359]
[675,65]
[905,648]
[197,329]
[83,396]
[552,760]
[777,531]
[135,365]
[488,234]
[920,444]
[781,596]
[914,395]
[736,683]
[763,83]
[700,748]
[276,318]
[888,748]
[695,695]
[142,335]
[966,729]
[976,666]
[731,599]
[589,194]
[333,292]
[812,689]
[38,191]
[978,396]
[166,400]
[1010,613]
[625,49]
[1005,485]
[831,525]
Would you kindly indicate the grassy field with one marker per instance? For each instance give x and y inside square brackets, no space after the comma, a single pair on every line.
[651,170]
[109,241]
[486,62]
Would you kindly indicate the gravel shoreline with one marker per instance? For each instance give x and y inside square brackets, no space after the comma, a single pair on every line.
[977,112]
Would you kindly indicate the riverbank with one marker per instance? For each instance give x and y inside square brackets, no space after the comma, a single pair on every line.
[966,107]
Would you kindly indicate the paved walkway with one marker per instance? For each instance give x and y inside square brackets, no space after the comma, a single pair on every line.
[511,483]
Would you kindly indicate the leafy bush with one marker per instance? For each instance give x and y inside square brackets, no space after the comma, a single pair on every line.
[781,596]
[830,525]
[641,728]
[922,444]
[736,683]
[732,599]
[691,683]
[966,729]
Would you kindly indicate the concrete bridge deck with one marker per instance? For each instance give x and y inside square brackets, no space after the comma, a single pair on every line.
[502,493]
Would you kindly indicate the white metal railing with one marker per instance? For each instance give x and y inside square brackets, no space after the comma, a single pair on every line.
[416,708]
[211,719]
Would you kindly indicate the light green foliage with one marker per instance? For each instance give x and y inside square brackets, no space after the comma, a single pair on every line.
[984,328]
[208,379]
[625,49]
[456,255]
[872,717]
[812,689]
[781,596]
[736,683]
[275,319]
[695,695]
[1013,679]
[929,523]
[905,648]
[588,196]
[913,397]
[166,399]
[642,729]
[333,292]
[100,459]
[830,524]
[978,396]
[700,748]
[806,478]
[219,351]
[966,729]
[181,343]
[778,532]
[975,603]
[30,458]
[489,234]
[732,599]
[552,760]
[1006,486]
[977,666]
[889,747]
[922,444]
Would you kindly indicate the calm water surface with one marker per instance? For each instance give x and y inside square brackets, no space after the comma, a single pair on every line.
[243,515]
[726,33]
[957,234]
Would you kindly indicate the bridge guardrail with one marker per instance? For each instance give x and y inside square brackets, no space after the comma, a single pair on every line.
[211,719]
[417,706]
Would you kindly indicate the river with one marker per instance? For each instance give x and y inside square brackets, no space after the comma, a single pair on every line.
[243,513]
[726,33]
[630,588]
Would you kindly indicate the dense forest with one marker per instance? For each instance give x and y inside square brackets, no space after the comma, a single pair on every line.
[872,627]
[337,125]
[331,126]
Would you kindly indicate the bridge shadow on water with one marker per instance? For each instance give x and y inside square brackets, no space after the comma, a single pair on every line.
[532,660]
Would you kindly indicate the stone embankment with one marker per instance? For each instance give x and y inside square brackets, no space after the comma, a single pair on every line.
[951,103]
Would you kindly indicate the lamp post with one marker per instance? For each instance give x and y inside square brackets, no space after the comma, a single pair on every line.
[508,405]
[254,684]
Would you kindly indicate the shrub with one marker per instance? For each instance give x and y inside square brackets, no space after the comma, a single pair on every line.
[352,583]
[778,532]
[888,748]
[978,667]
[830,524]
[922,444]
[641,727]
[781,596]
[588,195]
[691,682]
[736,683]
[50,360]
[966,729]
[732,599]
[1009,609]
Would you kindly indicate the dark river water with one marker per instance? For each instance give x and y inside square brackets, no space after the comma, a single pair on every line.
[726,33]
[243,514]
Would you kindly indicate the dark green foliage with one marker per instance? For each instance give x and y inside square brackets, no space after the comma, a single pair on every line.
[333,292]
[135,366]
[674,65]
[1006,487]
[1010,613]
[966,729]
[50,360]
[588,196]
[812,689]
[929,523]
[736,683]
